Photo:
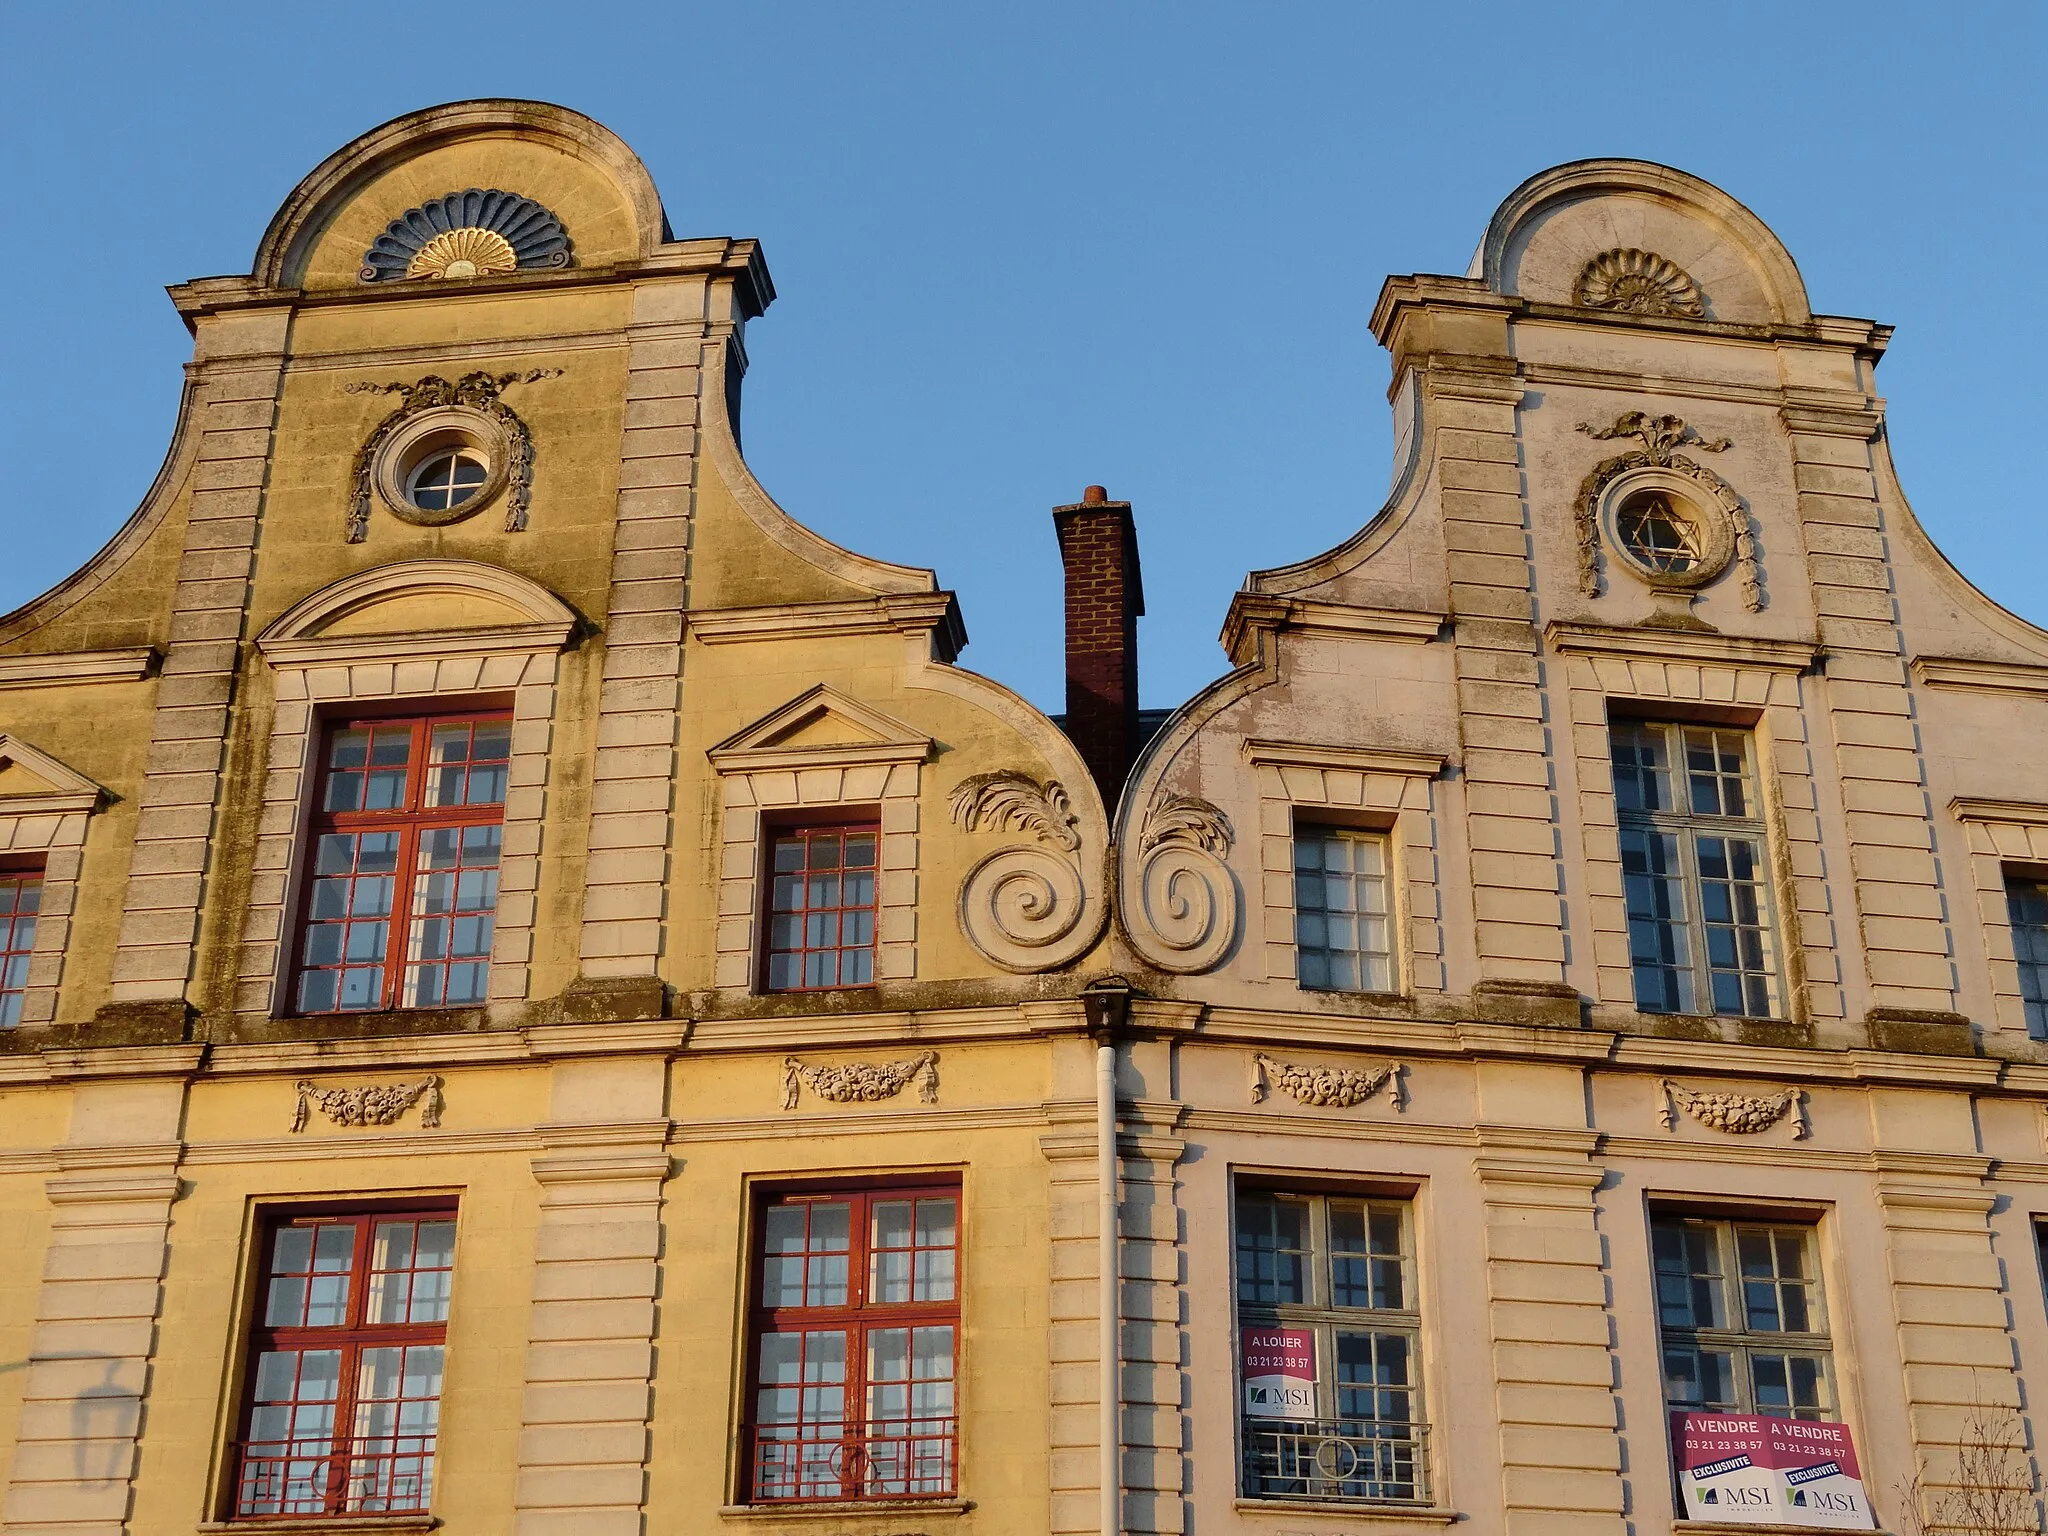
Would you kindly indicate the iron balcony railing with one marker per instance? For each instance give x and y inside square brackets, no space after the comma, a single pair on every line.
[1369,1461]
[889,1459]
[330,1475]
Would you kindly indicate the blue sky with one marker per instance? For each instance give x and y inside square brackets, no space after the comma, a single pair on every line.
[1024,248]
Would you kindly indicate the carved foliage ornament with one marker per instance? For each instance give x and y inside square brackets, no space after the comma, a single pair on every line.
[1722,533]
[1736,1114]
[1326,1087]
[480,232]
[375,1104]
[1638,283]
[861,1082]
[1180,899]
[475,393]
[1024,906]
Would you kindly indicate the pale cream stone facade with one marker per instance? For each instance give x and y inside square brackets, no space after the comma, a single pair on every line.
[685,668]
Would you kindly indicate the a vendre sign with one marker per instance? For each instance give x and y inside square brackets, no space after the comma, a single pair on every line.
[1279,1367]
[1756,1469]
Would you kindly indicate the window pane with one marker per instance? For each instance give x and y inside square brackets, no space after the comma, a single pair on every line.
[1272,1249]
[20,900]
[1642,774]
[1733,904]
[1653,885]
[2027,905]
[1343,940]
[821,909]
[454,906]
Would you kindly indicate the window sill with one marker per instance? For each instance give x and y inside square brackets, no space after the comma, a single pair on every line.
[327,1525]
[840,1509]
[1377,1514]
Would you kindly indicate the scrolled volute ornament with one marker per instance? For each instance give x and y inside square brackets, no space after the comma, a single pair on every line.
[861,1082]
[1326,1087]
[1180,898]
[372,1104]
[1735,1114]
[1029,907]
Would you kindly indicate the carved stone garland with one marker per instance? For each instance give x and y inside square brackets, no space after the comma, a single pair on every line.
[1180,900]
[861,1082]
[374,1104]
[1661,437]
[1027,907]
[1325,1087]
[1736,1114]
[476,391]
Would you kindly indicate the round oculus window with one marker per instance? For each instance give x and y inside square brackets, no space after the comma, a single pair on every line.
[442,466]
[446,478]
[1661,533]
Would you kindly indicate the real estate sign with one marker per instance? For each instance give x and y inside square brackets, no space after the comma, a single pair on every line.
[1761,1470]
[1279,1367]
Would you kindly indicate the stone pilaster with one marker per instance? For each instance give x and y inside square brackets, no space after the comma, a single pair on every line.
[1870,708]
[1075,1494]
[95,1335]
[584,1437]
[1152,1264]
[1553,1364]
[1517,882]
[1955,1341]
[240,372]
[633,772]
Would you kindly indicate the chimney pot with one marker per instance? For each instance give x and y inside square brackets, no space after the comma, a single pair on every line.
[1094,496]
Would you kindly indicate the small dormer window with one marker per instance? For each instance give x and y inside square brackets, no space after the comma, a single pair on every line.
[446,479]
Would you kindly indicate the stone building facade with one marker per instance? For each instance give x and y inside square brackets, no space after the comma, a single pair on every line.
[540,997]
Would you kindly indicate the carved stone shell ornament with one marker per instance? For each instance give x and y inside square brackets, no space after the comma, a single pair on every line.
[861,1082]
[479,232]
[1029,907]
[1180,898]
[1736,1114]
[1639,283]
[1325,1087]
[374,1104]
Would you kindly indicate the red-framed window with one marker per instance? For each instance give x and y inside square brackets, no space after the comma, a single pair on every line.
[344,1384]
[402,895]
[855,1345]
[821,907]
[21,899]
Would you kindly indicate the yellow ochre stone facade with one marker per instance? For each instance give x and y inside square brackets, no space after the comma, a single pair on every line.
[1642,495]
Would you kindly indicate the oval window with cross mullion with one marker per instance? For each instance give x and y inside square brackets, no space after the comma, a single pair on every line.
[1660,532]
[446,479]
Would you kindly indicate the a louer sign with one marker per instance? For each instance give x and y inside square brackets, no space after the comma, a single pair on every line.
[1756,1469]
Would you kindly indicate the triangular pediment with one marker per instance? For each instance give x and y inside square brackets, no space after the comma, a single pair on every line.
[821,725]
[31,780]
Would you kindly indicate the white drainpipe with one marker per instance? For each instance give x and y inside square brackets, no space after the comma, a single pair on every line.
[1108,1301]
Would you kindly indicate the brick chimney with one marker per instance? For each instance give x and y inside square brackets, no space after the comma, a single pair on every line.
[1105,596]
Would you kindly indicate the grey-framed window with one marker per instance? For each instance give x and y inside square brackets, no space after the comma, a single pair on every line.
[1336,1273]
[2026,904]
[1695,870]
[1343,909]
[1744,1325]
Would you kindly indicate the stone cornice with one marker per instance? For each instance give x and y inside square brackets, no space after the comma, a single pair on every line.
[74,668]
[1682,645]
[908,613]
[1973,676]
[1251,612]
[1301,754]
